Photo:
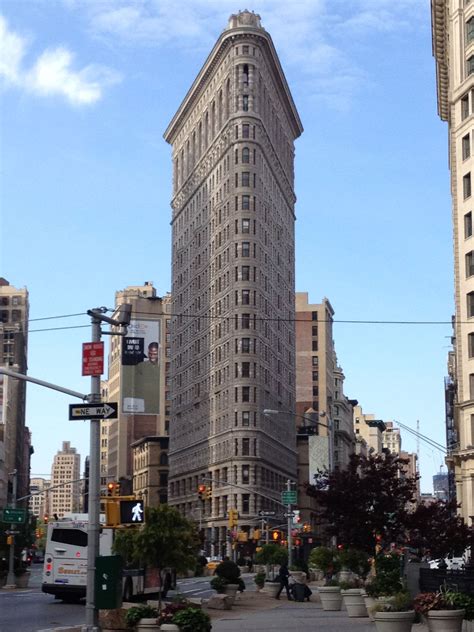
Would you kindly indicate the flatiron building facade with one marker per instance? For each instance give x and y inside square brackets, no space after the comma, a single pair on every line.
[232,324]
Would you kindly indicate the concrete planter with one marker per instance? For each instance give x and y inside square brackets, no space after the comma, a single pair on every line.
[369,603]
[148,625]
[354,602]
[231,591]
[394,621]
[21,581]
[345,576]
[330,596]
[169,627]
[445,620]
[271,588]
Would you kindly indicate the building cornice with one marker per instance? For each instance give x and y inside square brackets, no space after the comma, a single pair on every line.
[226,39]
[439,34]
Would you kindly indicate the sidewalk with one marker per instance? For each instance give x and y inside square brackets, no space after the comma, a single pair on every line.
[257,611]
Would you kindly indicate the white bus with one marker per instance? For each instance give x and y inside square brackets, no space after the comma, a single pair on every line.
[65,563]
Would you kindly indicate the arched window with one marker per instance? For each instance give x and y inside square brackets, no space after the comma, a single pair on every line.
[219,113]
[245,155]
[163,458]
[245,75]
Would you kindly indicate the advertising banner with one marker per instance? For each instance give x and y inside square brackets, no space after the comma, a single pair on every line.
[140,369]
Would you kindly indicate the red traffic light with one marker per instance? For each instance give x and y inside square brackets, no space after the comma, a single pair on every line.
[202,492]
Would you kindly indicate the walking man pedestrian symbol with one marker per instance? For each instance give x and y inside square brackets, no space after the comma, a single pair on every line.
[137,512]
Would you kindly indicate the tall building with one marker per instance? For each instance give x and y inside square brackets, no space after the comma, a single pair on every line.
[233,281]
[38,503]
[14,435]
[441,485]
[368,430]
[138,380]
[65,492]
[392,438]
[453,49]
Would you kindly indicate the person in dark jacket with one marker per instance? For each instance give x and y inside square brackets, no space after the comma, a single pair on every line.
[283,575]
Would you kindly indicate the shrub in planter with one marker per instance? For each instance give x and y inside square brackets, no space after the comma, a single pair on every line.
[384,585]
[355,561]
[169,611]
[442,610]
[400,602]
[325,559]
[192,620]
[259,579]
[133,615]
[218,584]
[394,614]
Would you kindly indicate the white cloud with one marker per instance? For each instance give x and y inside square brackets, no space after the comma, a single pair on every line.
[52,73]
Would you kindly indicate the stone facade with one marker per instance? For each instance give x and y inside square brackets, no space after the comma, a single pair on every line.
[150,470]
[65,495]
[233,280]
[453,48]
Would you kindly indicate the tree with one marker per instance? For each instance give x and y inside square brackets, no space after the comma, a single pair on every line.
[167,539]
[366,501]
[272,555]
[437,530]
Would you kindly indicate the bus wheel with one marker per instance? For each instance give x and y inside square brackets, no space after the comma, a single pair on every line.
[128,590]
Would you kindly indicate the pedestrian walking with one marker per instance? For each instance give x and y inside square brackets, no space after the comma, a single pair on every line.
[283,575]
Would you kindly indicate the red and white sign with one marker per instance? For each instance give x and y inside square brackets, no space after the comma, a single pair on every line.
[93,358]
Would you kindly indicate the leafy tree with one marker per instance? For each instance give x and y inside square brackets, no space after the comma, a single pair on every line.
[271,555]
[436,529]
[370,497]
[167,539]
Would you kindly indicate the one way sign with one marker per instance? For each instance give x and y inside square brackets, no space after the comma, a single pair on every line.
[101,411]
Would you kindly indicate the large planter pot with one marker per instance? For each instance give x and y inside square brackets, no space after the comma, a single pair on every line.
[231,591]
[394,621]
[147,625]
[445,620]
[354,602]
[344,576]
[369,603]
[21,581]
[298,576]
[169,627]
[271,588]
[330,596]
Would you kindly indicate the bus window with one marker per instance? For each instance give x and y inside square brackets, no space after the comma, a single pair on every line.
[76,537]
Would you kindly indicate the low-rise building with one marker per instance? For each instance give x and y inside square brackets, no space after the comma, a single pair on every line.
[150,470]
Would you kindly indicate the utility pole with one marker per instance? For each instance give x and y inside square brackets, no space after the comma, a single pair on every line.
[11,553]
[290,543]
[93,529]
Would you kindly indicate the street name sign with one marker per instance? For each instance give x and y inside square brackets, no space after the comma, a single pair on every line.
[288,497]
[11,532]
[100,411]
[290,515]
[93,358]
[267,513]
[13,515]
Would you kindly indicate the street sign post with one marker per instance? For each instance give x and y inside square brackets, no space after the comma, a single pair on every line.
[78,412]
[93,358]
[288,497]
[13,515]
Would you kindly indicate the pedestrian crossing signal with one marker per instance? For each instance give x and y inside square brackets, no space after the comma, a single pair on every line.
[132,512]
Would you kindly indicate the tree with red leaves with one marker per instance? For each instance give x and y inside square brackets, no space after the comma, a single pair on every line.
[366,502]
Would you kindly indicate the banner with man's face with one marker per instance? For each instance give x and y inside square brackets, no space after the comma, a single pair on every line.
[140,371]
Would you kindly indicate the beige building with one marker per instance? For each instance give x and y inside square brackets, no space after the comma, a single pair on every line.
[320,399]
[15,440]
[150,470]
[453,48]
[368,431]
[233,214]
[65,492]
[138,381]
[39,502]
[392,438]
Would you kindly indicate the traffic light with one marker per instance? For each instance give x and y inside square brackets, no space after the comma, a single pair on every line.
[276,535]
[45,518]
[117,489]
[9,540]
[233,518]
[202,492]
[37,534]
[110,489]
[209,493]
[306,527]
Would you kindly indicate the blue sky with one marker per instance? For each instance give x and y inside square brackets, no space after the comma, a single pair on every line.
[87,90]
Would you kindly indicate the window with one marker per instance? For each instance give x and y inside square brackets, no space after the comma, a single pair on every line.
[470,263]
[315,391]
[245,297]
[470,30]
[245,273]
[245,130]
[314,330]
[245,155]
[246,177]
[245,393]
[470,345]
[245,249]
[76,537]
[245,369]
[466,185]
[245,447]
[470,65]
[245,345]
[466,147]
[314,345]
[464,107]
[468,225]
[314,315]
[245,321]
[245,418]
[245,503]
[245,50]
[470,304]
[245,101]
[471,386]
[315,376]
[245,474]
[315,360]
[246,226]
[245,202]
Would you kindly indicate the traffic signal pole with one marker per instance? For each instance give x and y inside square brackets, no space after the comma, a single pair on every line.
[11,553]
[290,543]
